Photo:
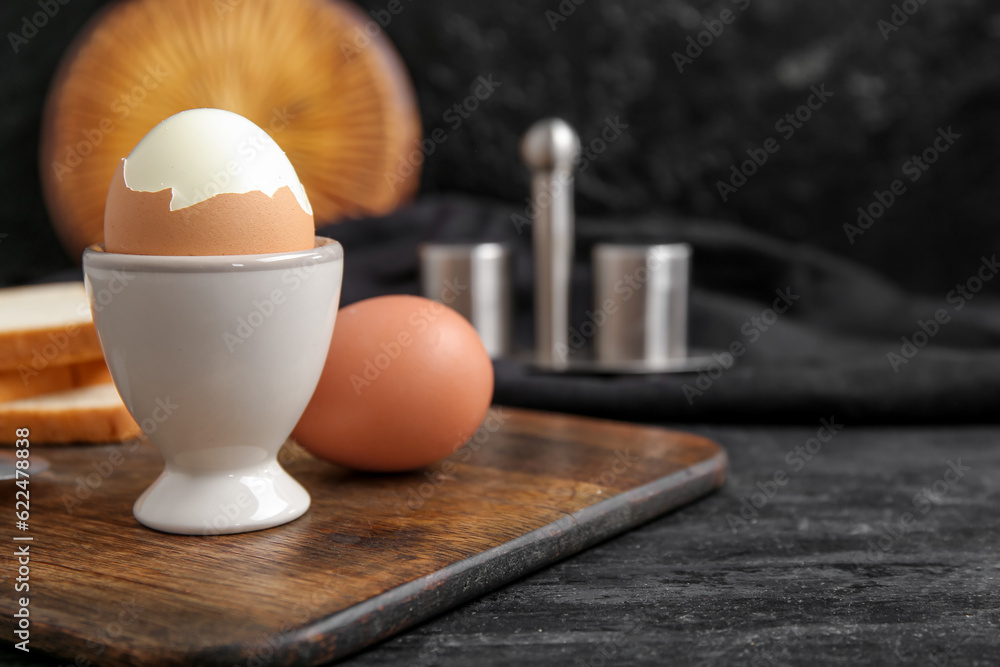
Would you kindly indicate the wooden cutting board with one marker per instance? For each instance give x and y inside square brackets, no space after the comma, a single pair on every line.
[374,555]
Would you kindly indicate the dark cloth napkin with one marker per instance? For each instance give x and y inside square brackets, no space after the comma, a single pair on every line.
[850,346]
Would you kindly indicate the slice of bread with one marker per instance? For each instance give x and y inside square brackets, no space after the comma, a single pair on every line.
[27,382]
[87,414]
[46,325]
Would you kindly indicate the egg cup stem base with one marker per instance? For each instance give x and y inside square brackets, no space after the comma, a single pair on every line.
[221,502]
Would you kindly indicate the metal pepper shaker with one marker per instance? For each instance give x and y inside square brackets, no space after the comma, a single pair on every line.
[550,148]
[473,279]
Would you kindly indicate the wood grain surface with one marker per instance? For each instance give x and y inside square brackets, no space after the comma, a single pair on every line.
[374,555]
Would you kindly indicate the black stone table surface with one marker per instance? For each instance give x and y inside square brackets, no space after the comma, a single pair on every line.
[880,548]
[829,545]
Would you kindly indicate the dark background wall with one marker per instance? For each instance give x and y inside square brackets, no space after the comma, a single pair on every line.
[891,92]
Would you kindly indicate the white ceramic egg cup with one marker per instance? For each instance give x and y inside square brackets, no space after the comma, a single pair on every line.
[216,358]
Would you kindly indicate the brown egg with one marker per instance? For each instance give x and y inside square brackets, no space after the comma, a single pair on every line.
[407,382]
[141,223]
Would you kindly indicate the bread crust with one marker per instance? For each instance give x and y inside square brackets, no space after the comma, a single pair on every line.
[37,349]
[27,382]
[85,424]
